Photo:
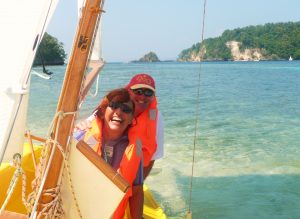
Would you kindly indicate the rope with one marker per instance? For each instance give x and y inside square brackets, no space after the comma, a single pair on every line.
[197,113]
[24,190]
[67,167]
[54,207]
[70,182]
[44,170]
[19,171]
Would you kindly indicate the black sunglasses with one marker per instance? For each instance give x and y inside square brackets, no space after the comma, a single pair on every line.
[146,92]
[125,108]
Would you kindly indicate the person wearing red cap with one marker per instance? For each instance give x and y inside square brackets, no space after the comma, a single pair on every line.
[142,91]
[149,126]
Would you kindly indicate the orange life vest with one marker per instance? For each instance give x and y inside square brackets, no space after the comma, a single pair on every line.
[145,128]
[129,164]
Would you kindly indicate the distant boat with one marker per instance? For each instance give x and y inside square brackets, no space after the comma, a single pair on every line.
[41,74]
[290,59]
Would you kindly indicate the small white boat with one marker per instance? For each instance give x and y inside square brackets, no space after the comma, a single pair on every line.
[290,59]
[41,75]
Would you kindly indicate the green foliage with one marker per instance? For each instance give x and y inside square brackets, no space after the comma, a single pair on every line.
[50,51]
[216,49]
[276,41]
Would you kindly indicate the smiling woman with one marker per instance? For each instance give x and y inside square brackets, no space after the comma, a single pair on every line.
[108,137]
[116,111]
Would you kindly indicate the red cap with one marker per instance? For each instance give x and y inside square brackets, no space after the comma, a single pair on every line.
[141,81]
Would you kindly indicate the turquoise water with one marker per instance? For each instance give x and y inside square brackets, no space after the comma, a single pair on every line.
[247,147]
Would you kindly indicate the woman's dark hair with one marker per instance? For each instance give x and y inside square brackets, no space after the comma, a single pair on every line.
[117,95]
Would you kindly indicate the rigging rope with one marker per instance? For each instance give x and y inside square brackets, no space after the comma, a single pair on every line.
[18,172]
[45,170]
[54,207]
[197,113]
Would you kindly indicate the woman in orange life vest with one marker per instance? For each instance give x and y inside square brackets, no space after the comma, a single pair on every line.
[108,137]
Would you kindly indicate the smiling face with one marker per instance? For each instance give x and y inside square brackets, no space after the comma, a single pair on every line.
[116,111]
[117,119]
[141,102]
[142,90]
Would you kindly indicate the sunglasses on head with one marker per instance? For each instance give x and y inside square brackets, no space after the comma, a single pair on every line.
[145,92]
[125,108]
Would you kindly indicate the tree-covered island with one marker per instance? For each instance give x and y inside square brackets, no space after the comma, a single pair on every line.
[271,41]
[50,52]
[149,57]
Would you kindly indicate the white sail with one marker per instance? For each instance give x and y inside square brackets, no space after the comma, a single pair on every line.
[23,24]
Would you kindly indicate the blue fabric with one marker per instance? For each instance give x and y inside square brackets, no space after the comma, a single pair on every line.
[139,179]
[79,134]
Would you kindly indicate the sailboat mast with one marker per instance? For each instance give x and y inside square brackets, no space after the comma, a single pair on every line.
[69,97]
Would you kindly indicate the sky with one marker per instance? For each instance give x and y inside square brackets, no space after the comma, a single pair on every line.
[132,28]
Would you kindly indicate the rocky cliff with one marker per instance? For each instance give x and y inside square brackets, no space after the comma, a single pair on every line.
[254,54]
[272,41]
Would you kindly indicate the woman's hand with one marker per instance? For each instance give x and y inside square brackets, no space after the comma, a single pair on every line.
[83,125]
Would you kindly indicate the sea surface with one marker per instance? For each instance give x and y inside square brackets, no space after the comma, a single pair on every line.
[247,135]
